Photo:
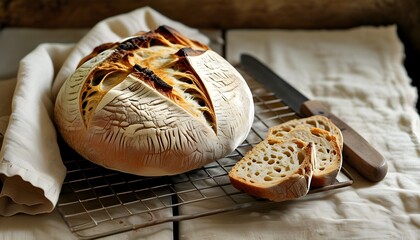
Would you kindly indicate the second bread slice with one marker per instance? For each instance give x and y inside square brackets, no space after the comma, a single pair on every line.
[317,121]
[275,170]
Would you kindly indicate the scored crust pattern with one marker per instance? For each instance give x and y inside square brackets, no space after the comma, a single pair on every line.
[154,104]
[158,58]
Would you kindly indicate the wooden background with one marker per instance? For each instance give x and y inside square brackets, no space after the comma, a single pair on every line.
[228,14]
[223,14]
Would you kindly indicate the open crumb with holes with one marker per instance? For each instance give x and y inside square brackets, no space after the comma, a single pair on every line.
[328,153]
[295,156]
[317,121]
[277,170]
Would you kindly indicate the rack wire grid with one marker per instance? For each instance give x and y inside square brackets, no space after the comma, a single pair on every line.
[96,202]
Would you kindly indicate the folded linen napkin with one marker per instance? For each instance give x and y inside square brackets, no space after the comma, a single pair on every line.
[31,169]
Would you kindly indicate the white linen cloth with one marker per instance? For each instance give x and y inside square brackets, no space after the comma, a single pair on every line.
[359,75]
[31,169]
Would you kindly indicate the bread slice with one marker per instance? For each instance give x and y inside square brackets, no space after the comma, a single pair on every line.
[317,121]
[275,170]
[328,153]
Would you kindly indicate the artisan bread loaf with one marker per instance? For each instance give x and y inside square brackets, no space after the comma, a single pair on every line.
[328,153]
[317,121]
[157,103]
[277,170]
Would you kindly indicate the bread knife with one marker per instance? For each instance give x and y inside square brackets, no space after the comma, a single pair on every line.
[357,152]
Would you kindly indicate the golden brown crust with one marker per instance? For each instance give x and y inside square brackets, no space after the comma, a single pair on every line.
[155,104]
[122,62]
[161,36]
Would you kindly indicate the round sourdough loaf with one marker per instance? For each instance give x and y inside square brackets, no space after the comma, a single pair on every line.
[154,104]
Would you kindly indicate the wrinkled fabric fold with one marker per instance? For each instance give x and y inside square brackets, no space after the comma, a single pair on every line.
[31,168]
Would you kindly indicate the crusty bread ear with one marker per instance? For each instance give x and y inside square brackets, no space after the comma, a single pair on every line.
[328,153]
[317,121]
[277,170]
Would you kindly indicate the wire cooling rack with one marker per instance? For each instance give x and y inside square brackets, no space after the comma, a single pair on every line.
[97,202]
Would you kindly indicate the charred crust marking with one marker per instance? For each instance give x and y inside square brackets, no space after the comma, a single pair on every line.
[151,75]
[184,52]
[127,59]
[133,43]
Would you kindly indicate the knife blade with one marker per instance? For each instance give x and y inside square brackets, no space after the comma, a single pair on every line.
[356,151]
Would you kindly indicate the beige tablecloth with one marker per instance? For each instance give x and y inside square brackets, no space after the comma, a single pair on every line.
[359,75]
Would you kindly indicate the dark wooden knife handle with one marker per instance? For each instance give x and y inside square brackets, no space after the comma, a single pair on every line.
[356,151]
